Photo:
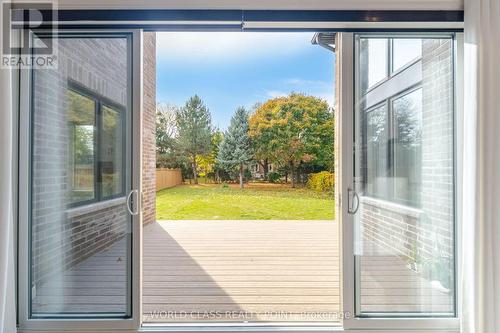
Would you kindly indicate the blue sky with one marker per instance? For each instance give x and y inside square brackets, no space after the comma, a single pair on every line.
[231,69]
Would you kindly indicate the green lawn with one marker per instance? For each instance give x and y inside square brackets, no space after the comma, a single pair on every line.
[254,202]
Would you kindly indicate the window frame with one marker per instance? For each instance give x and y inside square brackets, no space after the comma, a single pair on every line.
[348,99]
[391,57]
[100,102]
[390,72]
[389,104]
[95,147]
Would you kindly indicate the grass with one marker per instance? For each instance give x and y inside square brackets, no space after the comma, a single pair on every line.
[257,201]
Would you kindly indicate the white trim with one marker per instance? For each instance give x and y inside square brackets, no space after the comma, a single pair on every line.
[391,206]
[235,329]
[459,155]
[92,207]
[23,203]
[345,66]
[266,4]
[137,93]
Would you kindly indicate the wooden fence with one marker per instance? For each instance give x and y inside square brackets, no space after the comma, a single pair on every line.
[166,178]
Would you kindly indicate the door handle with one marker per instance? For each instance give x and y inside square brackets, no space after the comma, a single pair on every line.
[129,203]
[355,197]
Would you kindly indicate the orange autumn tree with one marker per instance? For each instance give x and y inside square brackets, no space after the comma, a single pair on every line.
[293,130]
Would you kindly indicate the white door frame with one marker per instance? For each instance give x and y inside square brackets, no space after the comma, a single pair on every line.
[27,324]
[345,126]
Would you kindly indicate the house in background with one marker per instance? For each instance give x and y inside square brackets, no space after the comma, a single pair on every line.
[258,170]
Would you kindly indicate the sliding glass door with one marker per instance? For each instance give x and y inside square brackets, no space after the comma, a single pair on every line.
[399,195]
[80,130]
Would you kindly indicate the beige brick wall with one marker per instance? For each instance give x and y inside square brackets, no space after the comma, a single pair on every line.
[149,128]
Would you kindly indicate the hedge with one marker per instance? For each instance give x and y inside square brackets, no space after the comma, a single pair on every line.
[323,181]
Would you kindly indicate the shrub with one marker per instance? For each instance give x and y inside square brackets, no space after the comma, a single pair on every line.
[273,177]
[321,182]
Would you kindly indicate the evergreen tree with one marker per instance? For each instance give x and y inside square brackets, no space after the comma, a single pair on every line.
[194,131]
[235,150]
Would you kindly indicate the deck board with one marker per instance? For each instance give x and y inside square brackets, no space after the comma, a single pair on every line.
[242,270]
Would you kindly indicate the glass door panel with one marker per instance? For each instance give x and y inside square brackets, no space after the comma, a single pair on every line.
[404,221]
[81,175]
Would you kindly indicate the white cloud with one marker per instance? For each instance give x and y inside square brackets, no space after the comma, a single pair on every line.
[302,82]
[276,93]
[228,46]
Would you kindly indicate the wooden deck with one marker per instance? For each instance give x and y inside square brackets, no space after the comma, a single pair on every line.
[254,270]
[239,271]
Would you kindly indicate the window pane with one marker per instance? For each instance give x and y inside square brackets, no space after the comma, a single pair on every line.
[79,247]
[404,241]
[111,154]
[376,181]
[408,147]
[404,51]
[374,56]
[81,116]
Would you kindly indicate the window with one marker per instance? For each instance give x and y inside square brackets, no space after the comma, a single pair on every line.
[382,57]
[82,125]
[393,153]
[404,51]
[96,147]
[407,147]
[373,53]
[111,152]
[404,178]
[377,150]
[393,118]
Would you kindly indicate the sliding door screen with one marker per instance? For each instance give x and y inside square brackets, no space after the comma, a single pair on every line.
[80,165]
[404,176]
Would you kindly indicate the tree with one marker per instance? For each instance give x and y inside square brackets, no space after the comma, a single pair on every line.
[260,119]
[208,163]
[194,131]
[235,149]
[294,131]
[166,136]
[217,137]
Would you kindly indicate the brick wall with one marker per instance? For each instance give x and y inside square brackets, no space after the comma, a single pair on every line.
[149,129]
[437,145]
[423,233]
